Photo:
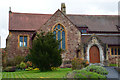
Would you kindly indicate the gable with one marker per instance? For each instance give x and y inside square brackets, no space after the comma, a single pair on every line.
[72,34]
[58,18]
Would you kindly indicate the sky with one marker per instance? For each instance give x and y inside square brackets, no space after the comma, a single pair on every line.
[88,7]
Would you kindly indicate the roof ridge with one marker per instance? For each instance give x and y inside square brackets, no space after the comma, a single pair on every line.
[30,13]
[88,15]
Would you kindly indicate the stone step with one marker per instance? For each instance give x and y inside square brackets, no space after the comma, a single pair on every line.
[98,64]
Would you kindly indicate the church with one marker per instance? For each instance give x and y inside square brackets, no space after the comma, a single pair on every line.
[95,38]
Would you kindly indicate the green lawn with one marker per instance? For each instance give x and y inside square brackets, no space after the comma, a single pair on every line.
[37,74]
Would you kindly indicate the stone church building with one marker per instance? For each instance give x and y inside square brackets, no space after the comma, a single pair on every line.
[92,37]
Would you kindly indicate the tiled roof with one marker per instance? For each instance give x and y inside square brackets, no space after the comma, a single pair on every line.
[110,40]
[27,21]
[96,22]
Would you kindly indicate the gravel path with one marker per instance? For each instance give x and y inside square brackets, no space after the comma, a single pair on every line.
[113,74]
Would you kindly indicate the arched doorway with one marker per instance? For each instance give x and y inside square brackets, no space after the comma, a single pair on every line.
[94,54]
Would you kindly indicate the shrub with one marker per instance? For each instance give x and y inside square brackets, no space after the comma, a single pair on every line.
[10,69]
[29,68]
[45,52]
[18,59]
[36,69]
[15,61]
[22,65]
[79,63]
[84,74]
[54,68]
[114,65]
[29,64]
[97,69]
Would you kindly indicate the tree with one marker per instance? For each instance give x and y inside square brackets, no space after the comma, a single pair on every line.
[45,52]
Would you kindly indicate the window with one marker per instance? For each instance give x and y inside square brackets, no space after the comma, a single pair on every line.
[59,31]
[118,51]
[115,51]
[84,31]
[112,51]
[23,41]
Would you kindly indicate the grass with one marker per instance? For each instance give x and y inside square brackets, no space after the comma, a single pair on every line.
[60,73]
[114,65]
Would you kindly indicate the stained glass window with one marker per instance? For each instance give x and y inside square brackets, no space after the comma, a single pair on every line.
[63,39]
[59,31]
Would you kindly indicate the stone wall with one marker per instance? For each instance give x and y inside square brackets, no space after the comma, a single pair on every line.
[73,37]
[12,44]
[73,34]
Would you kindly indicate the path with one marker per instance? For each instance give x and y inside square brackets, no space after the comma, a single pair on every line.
[112,73]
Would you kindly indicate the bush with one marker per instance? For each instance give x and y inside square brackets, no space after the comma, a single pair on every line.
[29,68]
[22,65]
[54,68]
[114,65]
[97,69]
[45,52]
[84,74]
[36,69]
[29,64]
[15,61]
[10,69]
[79,63]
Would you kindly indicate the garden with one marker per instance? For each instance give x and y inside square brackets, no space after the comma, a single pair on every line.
[44,61]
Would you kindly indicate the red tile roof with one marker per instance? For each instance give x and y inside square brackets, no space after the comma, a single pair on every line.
[96,22]
[27,21]
[32,22]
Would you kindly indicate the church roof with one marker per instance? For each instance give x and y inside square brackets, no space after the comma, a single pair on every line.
[32,22]
[96,22]
[110,40]
[27,21]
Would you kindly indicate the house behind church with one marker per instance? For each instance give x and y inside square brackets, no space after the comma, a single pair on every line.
[92,37]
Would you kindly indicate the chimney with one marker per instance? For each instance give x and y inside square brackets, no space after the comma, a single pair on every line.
[63,8]
[10,9]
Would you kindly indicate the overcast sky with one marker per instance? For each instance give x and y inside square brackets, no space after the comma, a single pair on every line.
[90,7]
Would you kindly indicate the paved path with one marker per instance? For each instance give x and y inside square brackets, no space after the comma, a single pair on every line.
[112,73]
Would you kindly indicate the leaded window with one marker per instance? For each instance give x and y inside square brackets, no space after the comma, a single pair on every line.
[59,31]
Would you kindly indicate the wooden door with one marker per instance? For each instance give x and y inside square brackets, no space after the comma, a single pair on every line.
[94,55]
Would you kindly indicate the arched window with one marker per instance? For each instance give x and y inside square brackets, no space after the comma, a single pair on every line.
[59,31]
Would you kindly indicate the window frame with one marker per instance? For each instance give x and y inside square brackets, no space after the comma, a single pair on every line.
[114,47]
[66,47]
[25,35]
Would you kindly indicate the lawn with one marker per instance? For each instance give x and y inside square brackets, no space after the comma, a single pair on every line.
[60,73]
